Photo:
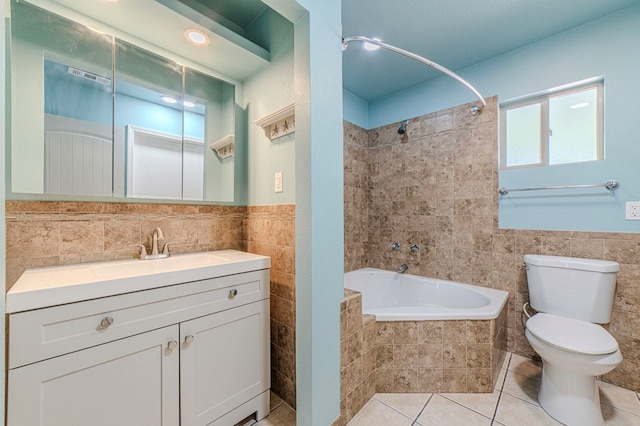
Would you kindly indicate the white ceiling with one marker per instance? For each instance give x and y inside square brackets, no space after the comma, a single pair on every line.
[453,33]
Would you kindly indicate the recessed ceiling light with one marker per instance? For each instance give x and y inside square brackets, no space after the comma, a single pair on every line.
[169,99]
[188,104]
[579,105]
[197,37]
[370,46]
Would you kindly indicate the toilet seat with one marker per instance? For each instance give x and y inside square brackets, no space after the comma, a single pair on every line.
[571,334]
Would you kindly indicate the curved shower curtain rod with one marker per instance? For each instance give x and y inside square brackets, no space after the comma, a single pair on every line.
[474,109]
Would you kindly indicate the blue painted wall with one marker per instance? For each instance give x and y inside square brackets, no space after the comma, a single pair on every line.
[133,111]
[356,109]
[605,47]
[319,201]
[92,102]
[4,136]
[264,93]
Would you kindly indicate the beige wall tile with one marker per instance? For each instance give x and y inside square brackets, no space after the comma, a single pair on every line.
[430,356]
[454,380]
[479,380]
[479,355]
[81,237]
[454,355]
[405,332]
[430,379]
[121,234]
[460,155]
[31,239]
[405,356]
[587,248]
[454,332]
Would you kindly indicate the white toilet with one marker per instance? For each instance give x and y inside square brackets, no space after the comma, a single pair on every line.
[572,297]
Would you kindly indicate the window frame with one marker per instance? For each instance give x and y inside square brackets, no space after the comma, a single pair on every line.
[543,100]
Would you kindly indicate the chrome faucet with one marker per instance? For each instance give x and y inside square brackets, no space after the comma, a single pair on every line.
[155,250]
[402,268]
[157,233]
[394,246]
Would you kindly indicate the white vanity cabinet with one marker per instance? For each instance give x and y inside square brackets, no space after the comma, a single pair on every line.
[214,381]
[194,353]
[133,381]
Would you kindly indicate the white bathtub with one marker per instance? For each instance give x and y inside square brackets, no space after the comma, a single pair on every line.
[391,296]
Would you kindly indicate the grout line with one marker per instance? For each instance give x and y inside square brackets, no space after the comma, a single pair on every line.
[504,380]
[415,421]
[468,408]
[387,405]
[611,405]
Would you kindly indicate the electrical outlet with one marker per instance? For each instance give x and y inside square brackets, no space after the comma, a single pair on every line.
[632,210]
[278,182]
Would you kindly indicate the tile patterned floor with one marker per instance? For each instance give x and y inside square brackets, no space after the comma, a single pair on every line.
[513,403]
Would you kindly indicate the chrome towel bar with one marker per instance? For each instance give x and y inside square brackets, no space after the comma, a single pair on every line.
[611,185]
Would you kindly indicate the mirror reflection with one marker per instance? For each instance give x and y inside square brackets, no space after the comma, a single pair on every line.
[148,118]
[135,126]
[61,75]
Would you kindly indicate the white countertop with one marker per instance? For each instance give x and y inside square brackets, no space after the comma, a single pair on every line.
[43,287]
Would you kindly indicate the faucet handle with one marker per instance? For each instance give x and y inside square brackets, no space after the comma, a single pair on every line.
[143,249]
[415,248]
[395,246]
[165,249]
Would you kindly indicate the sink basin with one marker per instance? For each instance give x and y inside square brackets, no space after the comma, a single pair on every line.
[42,287]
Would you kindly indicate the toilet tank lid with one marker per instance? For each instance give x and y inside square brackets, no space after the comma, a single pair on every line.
[572,263]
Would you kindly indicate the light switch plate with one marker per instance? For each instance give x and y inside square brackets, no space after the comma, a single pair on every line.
[278,182]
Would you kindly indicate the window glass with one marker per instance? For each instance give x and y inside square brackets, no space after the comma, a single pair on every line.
[573,130]
[555,128]
[523,134]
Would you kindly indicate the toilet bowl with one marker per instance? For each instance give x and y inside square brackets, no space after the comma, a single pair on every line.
[573,353]
[573,296]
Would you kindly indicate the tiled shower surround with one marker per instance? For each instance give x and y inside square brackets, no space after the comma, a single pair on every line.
[59,233]
[437,186]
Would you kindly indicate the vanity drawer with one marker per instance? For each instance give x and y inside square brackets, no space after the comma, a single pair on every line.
[49,332]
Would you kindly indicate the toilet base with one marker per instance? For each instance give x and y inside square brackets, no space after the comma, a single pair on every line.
[570,398]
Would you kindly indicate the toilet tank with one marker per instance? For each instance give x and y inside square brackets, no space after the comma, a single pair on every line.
[572,287]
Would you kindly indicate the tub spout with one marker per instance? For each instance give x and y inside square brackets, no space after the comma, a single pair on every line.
[402,268]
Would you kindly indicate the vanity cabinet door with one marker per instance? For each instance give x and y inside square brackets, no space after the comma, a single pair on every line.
[224,362]
[133,381]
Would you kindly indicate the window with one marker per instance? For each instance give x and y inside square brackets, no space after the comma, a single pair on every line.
[564,126]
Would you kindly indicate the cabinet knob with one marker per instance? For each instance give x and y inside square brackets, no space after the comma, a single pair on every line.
[172,345]
[106,322]
[189,339]
[233,293]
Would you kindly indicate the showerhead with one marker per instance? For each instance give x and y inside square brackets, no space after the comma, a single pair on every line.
[403,127]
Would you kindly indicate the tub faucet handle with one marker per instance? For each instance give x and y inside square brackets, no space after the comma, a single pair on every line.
[402,268]
[415,248]
[395,246]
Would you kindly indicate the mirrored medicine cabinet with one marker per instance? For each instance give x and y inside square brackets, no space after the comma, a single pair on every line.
[95,117]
